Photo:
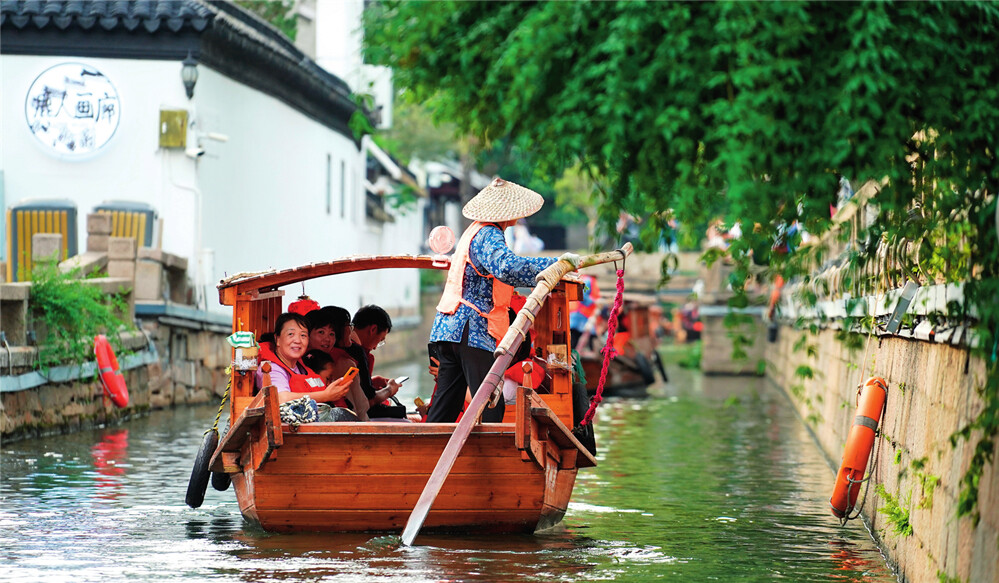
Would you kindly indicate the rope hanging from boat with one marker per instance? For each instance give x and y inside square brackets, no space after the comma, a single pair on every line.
[608,349]
[225,397]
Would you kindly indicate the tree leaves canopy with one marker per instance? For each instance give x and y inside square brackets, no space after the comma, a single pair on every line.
[682,104]
[746,109]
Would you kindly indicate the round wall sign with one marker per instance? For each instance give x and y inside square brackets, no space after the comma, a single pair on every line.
[72,109]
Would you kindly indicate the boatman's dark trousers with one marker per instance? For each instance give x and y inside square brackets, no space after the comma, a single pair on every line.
[460,367]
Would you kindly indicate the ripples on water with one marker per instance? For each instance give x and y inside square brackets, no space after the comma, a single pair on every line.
[710,479]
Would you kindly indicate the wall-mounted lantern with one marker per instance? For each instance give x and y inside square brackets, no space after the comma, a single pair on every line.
[189,74]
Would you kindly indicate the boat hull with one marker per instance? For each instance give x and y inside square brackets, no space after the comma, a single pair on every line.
[344,477]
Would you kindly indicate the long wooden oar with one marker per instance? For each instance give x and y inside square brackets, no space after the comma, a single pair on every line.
[547,280]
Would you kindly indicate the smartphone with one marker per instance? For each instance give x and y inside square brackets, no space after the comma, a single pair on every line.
[432,353]
[351,373]
[401,380]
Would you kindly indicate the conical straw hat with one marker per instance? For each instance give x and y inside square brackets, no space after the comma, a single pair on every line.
[502,201]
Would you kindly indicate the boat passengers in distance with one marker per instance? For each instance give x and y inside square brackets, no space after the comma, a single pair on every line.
[472,314]
[288,375]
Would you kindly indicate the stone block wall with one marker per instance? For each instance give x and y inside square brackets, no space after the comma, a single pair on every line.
[192,365]
[932,394]
[190,369]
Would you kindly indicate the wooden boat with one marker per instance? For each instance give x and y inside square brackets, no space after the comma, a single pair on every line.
[632,369]
[515,476]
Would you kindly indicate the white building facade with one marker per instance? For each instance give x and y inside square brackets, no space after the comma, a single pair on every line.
[269,174]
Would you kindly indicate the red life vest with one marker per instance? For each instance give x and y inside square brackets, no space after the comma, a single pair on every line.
[308,382]
[498,318]
[516,372]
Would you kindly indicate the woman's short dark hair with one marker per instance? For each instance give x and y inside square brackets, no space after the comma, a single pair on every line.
[289,317]
[338,317]
[317,360]
[372,314]
[318,319]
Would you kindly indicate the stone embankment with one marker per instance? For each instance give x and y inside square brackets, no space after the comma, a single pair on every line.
[932,393]
[166,365]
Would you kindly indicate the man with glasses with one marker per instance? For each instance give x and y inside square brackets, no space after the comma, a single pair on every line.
[371,326]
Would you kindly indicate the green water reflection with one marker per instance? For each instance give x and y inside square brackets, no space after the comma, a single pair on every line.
[717,480]
[710,479]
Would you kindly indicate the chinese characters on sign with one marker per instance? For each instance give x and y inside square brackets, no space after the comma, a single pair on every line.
[72,109]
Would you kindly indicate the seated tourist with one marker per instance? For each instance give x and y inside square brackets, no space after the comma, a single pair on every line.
[322,336]
[288,375]
[371,326]
[321,363]
[339,319]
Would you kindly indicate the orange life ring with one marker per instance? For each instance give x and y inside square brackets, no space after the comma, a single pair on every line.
[870,403]
[111,378]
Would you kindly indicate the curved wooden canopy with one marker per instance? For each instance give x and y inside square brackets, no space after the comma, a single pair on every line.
[268,280]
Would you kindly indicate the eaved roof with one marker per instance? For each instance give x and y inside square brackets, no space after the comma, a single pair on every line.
[219,34]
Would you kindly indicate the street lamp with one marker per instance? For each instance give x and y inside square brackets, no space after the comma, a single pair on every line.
[189,74]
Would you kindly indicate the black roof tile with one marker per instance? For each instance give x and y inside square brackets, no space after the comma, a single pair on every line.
[128,14]
[218,33]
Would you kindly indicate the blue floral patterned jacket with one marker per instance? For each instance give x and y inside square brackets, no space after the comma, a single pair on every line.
[490,255]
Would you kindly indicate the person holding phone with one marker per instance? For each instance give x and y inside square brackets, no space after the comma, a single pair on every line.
[472,314]
[288,375]
[372,325]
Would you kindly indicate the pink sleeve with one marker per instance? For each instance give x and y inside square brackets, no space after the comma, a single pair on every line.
[279,378]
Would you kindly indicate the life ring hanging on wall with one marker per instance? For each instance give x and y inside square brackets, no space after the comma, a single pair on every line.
[870,404]
[111,377]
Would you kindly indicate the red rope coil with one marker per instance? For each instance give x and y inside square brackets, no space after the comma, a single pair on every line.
[608,350]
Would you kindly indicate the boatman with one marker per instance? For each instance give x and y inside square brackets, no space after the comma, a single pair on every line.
[472,315]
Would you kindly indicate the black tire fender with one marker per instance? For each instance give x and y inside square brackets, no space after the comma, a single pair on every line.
[221,481]
[198,484]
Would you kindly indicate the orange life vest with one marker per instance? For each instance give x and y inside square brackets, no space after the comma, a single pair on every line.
[498,318]
[579,307]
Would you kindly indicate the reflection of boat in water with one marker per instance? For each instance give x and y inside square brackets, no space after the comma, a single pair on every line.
[513,476]
[632,369]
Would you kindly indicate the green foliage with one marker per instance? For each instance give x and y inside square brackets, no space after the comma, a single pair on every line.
[69,313]
[804,371]
[280,13]
[897,515]
[745,110]
[686,355]
[943,577]
[692,359]
[432,279]
[415,134]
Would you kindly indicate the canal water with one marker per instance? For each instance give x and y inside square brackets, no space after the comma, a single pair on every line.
[709,479]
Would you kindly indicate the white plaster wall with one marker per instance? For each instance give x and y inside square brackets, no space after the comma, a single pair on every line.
[130,166]
[270,204]
[262,194]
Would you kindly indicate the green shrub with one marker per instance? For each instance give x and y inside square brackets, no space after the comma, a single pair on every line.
[66,314]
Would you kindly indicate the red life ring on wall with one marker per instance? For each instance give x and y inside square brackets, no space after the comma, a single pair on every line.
[870,404]
[111,378]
